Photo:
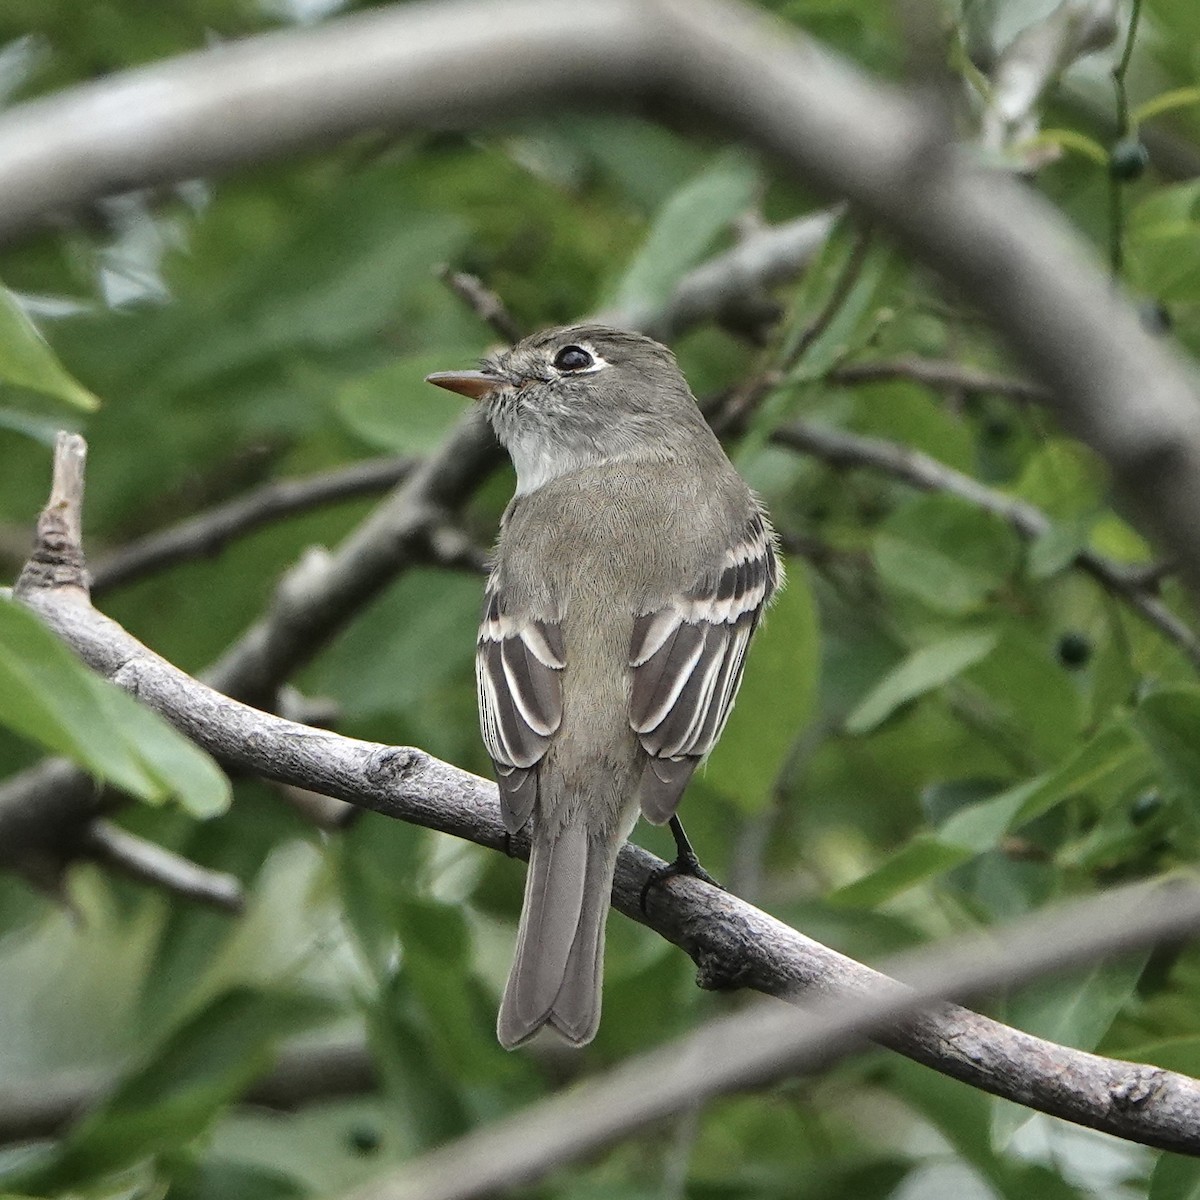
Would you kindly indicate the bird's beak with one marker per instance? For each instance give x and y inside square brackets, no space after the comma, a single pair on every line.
[475,384]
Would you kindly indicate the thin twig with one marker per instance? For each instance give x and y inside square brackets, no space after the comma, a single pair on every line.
[150,863]
[1116,184]
[482,301]
[921,471]
[938,374]
[843,285]
[746,399]
[207,533]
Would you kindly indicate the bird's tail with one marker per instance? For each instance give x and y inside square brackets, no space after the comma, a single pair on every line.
[556,974]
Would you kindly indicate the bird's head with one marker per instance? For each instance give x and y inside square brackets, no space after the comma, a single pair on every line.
[579,395]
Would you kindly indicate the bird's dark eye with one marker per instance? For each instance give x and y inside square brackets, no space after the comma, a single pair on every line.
[572,358]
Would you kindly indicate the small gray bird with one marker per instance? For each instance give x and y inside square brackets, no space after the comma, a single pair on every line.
[632,568]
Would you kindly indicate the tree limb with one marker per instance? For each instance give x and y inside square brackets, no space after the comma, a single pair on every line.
[1035,59]
[1131,586]
[303,1073]
[208,533]
[936,373]
[150,863]
[732,942]
[764,1044]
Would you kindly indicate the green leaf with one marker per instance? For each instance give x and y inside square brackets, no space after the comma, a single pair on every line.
[907,413]
[395,409]
[922,671]
[922,858]
[776,698]
[1112,755]
[1163,243]
[946,553]
[1064,479]
[1031,696]
[26,361]
[181,1088]
[179,766]
[1065,139]
[1165,102]
[1077,1010]
[220,1180]
[978,827]
[48,696]
[1112,759]
[1175,1178]
[1169,720]
[684,230]
[1057,548]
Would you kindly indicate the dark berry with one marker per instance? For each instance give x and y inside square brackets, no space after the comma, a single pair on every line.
[1074,649]
[1154,317]
[363,1139]
[1128,160]
[1145,807]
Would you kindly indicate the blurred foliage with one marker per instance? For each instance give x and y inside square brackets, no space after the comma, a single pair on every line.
[942,725]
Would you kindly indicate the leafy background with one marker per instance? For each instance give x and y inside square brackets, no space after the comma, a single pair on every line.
[943,724]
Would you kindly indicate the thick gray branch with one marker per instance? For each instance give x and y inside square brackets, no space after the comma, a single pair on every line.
[765,1044]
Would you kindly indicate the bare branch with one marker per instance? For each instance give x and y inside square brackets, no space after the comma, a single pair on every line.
[303,1073]
[1035,59]
[735,279]
[208,533]
[937,374]
[57,558]
[842,449]
[483,302]
[153,864]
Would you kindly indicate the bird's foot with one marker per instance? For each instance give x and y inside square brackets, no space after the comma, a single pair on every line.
[686,863]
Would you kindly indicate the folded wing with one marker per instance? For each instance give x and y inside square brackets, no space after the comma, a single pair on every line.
[518,671]
[686,660]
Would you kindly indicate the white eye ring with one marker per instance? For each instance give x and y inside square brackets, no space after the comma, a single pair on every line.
[598,361]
